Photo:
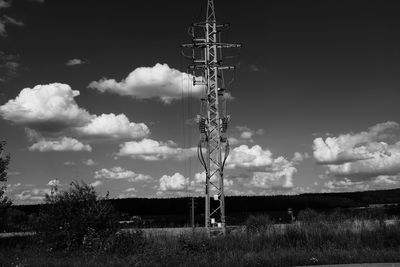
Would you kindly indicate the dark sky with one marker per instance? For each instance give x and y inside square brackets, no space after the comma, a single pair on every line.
[319,78]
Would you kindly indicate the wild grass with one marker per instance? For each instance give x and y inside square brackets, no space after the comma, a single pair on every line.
[315,239]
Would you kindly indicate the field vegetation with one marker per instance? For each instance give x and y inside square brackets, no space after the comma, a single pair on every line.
[79,228]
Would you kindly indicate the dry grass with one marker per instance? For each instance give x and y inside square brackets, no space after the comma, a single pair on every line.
[306,243]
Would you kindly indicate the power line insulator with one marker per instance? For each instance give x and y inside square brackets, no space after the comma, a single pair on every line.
[224,126]
[202,125]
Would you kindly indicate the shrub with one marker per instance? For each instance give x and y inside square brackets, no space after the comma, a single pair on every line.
[125,243]
[258,223]
[76,218]
[5,203]
[309,216]
[16,220]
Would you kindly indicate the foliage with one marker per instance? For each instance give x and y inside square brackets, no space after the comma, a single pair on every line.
[76,218]
[309,216]
[258,223]
[5,203]
[125,243]
[338,239]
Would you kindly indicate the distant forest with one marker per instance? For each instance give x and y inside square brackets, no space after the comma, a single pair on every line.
[176,211]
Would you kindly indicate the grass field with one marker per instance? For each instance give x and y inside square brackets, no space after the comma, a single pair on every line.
[311,242]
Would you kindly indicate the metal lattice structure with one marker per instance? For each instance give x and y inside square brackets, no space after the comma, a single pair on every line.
[213,149]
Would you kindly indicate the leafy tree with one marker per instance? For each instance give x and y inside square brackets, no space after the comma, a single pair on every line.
[76,218]
[5,203]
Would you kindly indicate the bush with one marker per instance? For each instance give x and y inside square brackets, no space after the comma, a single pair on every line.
[76,218]
[125,243]
[310,216]
[16,220]
[5,203]
[258,223]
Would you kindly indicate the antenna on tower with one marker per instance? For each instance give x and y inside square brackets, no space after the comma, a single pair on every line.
[208,71]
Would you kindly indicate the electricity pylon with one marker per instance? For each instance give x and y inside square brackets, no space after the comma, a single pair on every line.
[213,149]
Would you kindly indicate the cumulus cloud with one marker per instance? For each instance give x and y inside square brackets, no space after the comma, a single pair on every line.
[48,107]
[121,173]
[176,182]
[54,182]
[361,156]
[199,182]
[51,111]
[352,147]
[268,172]
[282,178]
[246,157]
[340,184]
[75,61]
[32,195]
[247,133]
[115,126]
[151,150]
[63,144]
[298,157]
[159,81]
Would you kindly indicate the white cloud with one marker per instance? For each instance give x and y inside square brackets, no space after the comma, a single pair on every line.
[361,156]
[64,144]
[96,183]
[282,178]
[51,111]
[114,126]
[131,189]
[75,61]
[121,173]
[151,150]
[48,108]
[245,135]
[268,172]
[89,162]
[33,195]
[69,163]
[247,157]
[199,182]
[385,161]
[159,81]
[54,182]
[341,184]
[298,157]
[345,185]
[352,147]
[176,182]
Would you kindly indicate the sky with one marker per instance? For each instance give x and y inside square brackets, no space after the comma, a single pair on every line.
[98,91]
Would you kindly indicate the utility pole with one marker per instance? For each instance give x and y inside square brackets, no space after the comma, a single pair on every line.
[208,71]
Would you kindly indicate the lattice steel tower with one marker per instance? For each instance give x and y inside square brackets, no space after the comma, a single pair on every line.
[208,71]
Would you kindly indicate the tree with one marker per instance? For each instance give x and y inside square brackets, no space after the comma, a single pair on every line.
[76,217]
[5,203]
